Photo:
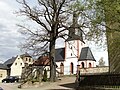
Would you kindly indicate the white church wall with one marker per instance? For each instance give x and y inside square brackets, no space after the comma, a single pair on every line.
[72,53]
[86,63]
[67,67]
[73,48]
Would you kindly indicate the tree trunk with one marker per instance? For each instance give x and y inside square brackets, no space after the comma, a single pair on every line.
[52,60]
[113,40]
[113,37]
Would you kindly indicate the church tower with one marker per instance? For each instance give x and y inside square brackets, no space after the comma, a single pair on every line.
[73,46]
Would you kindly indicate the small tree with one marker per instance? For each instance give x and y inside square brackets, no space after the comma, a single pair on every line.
[101,62]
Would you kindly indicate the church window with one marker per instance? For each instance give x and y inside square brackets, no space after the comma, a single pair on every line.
[90,65]
[71,54]
[62,68]
[83,66]
[71,68]
[77,32]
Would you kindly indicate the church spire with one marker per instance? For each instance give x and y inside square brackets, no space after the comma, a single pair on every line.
[74,32]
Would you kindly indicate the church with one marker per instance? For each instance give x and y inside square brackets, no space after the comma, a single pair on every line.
[74,55]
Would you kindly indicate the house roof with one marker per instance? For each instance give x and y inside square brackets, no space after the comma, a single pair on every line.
[25,55]
[10,61]
[59,54]
[3,66]
[42,61]
[86,54]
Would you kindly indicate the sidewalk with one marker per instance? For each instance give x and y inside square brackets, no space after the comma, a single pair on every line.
[66,83]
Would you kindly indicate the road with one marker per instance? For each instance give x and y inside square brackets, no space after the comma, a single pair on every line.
[66,83]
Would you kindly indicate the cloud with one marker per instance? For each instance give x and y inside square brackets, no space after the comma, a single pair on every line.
[9,36]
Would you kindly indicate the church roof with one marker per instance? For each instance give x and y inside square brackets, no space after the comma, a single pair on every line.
[86,54]
[75,34]
[59,54]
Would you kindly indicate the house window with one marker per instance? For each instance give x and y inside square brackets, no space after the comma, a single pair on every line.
[1,75]
[29,60]
[15,63]
[26,59]
[21,64]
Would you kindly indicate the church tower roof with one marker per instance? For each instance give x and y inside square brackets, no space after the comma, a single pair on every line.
[75,33]
[86,54]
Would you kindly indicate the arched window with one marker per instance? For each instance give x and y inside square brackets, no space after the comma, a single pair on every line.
[71,68]
[62,68]
[90,65]
[83,66]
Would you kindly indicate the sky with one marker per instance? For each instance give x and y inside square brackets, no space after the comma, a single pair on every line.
[10,38]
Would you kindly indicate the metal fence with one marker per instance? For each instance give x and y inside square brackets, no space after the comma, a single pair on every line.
[108,79]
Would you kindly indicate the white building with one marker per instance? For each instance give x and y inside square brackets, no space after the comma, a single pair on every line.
[16,64]
[75,54]
[72,57]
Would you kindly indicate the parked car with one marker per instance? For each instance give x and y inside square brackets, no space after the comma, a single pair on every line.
[10,79]
[1,88]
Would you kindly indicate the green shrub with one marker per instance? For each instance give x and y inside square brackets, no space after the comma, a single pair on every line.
[45,76]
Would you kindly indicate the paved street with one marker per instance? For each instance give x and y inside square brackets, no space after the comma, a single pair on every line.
[67,83]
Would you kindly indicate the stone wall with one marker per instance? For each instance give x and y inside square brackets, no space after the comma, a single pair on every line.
[103,69]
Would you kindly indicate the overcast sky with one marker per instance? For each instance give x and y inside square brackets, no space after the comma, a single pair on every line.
[10,38]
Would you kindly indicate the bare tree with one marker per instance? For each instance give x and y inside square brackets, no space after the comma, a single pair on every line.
[52,17]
